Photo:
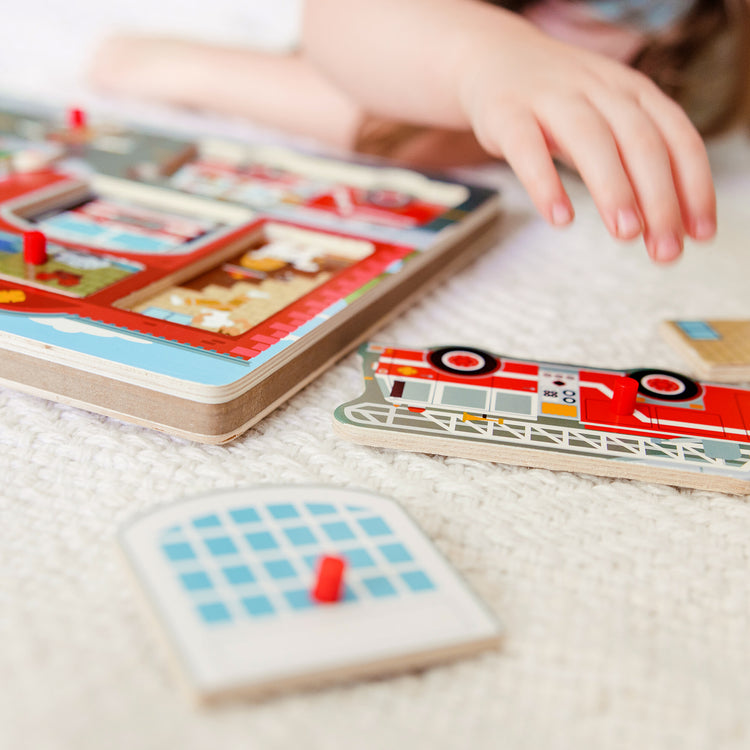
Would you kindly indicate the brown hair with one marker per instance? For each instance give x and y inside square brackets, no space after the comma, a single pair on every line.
[704,64]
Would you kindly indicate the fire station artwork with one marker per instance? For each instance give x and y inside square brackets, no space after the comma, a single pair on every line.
[643,423]
[229,576]
[193,285]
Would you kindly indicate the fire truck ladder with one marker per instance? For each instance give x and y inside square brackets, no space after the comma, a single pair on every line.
[677,452]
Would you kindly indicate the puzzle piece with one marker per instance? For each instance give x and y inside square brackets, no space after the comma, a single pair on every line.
[231,577]
[462,401]
[717,349]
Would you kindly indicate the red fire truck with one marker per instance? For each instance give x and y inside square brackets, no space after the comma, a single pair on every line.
[648,402]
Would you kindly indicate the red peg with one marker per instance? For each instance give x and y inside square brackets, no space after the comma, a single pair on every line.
[625,392]
[76,119]
[34,248]
[328,585]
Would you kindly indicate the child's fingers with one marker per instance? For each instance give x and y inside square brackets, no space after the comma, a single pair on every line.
[517,137]
[690,164]
[586,138]
[648,163]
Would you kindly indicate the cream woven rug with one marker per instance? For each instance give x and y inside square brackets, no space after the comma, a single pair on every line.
[626,605]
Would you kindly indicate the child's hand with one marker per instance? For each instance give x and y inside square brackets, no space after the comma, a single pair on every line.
[645,165]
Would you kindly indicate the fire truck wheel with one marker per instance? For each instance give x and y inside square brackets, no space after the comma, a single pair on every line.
[462,361]
[665,385]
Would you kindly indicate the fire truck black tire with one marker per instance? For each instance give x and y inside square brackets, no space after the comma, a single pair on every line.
[436,357]
[690,388]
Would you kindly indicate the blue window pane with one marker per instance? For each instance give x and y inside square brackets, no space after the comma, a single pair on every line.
[349,595]
[283,510]
[395,553]
[418,581]
[244,515]
[196,581]
[300,535]
[222,545]
[257,605]
[374,526]
[358,558]
[238,574]
[320,509]
[280,569]
[379,586]
[698,330]
[206,522]
[299,599]
[338,531]
[216,612]
[261,540]
[181,551]
[311,560]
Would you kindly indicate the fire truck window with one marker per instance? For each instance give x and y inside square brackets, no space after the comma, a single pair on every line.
[515,403]
[469,398]
[722,449]
[416,391]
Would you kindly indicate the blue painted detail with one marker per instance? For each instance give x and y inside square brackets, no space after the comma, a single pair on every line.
[374,526]
[358,558]
[238,574]
[257,605]
[320,509]
[206,522]
[379,586]
[281,511]
[244,515]
[338,531]
[68,223]
[311,560]
[157,312]
[261,540]
[8,247]
[698,330]
[198,581]
[300,535]
[299,599]
[349,595]
[395,553]
[418,581]
[216,612]
[180,318]
[138,243]
[280,569]
[222,545]
[181,551]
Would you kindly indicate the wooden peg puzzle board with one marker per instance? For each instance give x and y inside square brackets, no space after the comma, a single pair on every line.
[229,577]
[193,286]
[463,401]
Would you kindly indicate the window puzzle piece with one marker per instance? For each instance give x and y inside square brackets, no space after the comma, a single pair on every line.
[717,349]
[255,587]
[646,424]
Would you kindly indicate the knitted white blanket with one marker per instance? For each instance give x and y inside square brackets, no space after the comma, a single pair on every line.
[626,605]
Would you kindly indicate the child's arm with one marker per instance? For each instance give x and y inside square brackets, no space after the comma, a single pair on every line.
[462,63]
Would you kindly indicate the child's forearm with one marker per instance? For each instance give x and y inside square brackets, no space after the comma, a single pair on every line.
[405,59]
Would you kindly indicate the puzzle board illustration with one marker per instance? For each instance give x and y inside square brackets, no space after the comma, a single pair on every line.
[194,285]
[717,349]
[229,577]
[643,423]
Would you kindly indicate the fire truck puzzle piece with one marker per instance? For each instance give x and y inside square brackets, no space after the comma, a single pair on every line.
[716,349]
[647,424]
[231,578]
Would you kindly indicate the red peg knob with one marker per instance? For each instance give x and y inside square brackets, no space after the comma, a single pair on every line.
[625,392]
[76,119]
[34,248]
[328,585]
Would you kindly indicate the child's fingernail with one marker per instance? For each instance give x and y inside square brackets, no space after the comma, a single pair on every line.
[561,214]
[628,223]
[668,248]
[704,229]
